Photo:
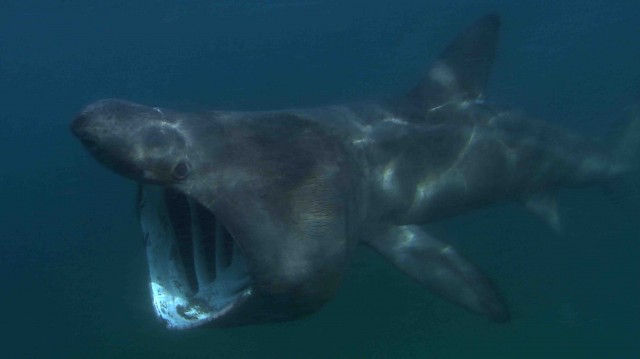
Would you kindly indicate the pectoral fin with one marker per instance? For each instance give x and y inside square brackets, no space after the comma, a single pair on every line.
[441,268]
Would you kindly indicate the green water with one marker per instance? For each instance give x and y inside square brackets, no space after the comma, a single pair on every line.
[72,267]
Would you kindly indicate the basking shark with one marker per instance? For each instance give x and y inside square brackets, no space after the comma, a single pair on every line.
[252,217]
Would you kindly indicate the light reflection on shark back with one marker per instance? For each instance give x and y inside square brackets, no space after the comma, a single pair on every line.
[252,217]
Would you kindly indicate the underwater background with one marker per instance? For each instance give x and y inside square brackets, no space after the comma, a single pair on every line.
[73,276]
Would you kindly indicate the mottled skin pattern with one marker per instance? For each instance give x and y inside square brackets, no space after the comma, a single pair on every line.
[299,189]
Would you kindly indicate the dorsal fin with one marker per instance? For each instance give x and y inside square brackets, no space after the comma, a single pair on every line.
[460,73]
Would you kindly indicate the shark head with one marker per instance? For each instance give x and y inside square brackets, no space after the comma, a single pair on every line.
[243,214]
[135,141]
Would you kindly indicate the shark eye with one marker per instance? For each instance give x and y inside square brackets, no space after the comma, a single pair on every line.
[181,170]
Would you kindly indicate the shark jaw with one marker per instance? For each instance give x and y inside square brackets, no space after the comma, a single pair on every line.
[198,275]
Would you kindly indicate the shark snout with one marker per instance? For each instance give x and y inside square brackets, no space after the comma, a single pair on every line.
[96,132]
[85,129]
[79,125]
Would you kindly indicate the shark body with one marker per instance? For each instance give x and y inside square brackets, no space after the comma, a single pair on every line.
[252,217]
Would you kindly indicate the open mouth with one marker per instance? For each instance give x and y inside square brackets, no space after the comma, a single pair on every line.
[198,274]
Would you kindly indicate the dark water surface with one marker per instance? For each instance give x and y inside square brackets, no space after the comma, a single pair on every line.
[72,269]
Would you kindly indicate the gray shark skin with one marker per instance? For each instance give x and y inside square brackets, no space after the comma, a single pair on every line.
[252,217]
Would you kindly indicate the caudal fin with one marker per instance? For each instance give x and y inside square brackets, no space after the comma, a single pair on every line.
[627,147]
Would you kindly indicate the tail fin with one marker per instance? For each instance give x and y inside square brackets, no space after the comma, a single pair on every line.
[627,147]
[624,187]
